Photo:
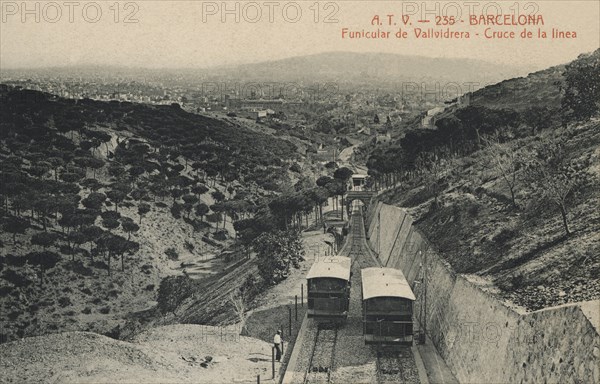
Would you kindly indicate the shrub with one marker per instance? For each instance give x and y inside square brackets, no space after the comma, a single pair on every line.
[104,310]
[176,210]
[147,269]
[505,235]
[251,287]
[295,168]
[44,239]
[473,210]
[173,290]
[110,223]
[86,311]
[419,197]
[171,253]
[5,291]
[100,264]
[221,235]
[277,251]
[94,200]
[79,268]
[17,279]
[110,215]
[17,261]
[517,281]
[65,249]
[64,302]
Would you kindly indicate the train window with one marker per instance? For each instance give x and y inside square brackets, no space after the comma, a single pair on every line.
[327,285]
[389,304]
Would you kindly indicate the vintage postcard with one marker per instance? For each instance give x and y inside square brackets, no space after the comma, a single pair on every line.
[305,191]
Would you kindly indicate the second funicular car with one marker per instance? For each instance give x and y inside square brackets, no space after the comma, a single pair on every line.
[387,307]
[329,288]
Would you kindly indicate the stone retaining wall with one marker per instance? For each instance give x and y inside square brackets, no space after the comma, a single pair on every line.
[480,338]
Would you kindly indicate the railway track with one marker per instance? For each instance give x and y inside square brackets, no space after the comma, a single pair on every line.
[396,366]
[392,365]
[322,358]
[357,251]
[339,354]
[389,367]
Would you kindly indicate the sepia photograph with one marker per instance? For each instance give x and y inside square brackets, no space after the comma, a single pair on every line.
[304,191]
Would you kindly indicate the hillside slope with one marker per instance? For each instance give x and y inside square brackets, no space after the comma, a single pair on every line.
[540,89]
[506,188]
[102,200]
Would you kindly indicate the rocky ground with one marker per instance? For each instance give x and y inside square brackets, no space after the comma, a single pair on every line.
[171,354]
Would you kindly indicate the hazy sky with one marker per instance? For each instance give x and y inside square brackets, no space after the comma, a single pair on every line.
[174,34]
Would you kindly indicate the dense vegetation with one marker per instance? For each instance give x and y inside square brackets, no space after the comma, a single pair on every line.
[461,130]
[77,179]
[498,188]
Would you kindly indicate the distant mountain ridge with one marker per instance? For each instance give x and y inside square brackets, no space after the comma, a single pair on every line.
[372,67]
[351,68]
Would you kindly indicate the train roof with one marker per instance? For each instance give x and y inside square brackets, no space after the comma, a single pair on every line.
[336,267]
[385,282]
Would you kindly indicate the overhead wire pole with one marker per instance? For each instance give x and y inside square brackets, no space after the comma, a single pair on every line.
[425,296]
[379,234]
[289,321]
[422,298]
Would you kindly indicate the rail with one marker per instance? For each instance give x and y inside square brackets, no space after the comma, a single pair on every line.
[321,363]
[389,367]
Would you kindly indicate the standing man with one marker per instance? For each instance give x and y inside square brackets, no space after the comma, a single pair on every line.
[277,345]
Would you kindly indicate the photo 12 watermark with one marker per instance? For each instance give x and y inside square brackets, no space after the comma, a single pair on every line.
[229,333]
[265,91]
[270,12]
[54,12]
[485,332]
[458,9]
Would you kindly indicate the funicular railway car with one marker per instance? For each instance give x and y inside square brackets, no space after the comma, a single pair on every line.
[387,307]
[328,285]
[358,182]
